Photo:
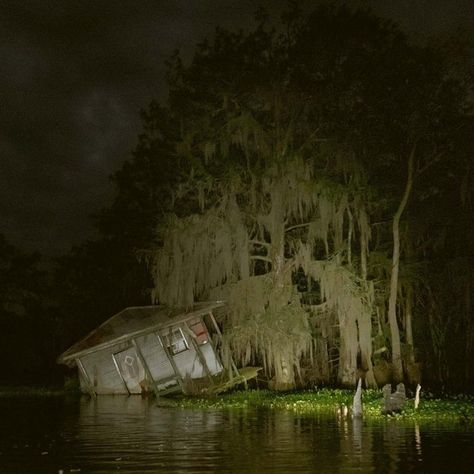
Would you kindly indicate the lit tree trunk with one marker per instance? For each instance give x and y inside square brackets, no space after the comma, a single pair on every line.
[364,321]
[392,302]
[348,348]
[281,275]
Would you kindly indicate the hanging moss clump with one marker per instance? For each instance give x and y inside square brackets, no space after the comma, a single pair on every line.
[245,247]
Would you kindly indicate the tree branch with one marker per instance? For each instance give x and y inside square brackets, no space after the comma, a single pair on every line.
[297,226]
[260,257]
[259,242]
[421,170]
[316,307]
[392,300]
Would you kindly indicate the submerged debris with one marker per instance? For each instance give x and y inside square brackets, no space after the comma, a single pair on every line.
[357,403]
[393,402]
[417,396]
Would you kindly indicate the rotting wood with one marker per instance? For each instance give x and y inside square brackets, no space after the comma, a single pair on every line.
[179,378]
[145,366]
[213,344]
[164,380]
[246,374]
[87,380]
[169,390]
[142,332]
[120,374]
[216,327]
[199,353]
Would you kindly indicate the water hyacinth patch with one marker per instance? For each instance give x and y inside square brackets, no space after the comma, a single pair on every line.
[459,409]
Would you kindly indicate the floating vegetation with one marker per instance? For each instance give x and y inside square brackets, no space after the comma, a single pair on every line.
[459,409]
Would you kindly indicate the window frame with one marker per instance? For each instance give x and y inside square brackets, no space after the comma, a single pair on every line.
[169,341]
[196,335]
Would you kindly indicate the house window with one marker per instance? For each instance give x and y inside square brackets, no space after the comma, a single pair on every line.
[175,341]
[199,331]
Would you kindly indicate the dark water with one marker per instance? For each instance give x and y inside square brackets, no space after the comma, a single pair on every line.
[131,435]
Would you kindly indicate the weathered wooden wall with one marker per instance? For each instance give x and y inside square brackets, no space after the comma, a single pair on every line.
[102,372]
[105,377]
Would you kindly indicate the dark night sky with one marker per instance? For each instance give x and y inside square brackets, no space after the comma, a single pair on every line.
[74,75]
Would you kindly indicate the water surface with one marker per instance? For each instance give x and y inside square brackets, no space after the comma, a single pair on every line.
[132,435]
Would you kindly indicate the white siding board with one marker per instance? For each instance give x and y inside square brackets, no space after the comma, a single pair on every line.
[211,360]
[188,364]
[102,373]
[155,356]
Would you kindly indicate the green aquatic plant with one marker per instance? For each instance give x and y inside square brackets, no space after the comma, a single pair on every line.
[457,410]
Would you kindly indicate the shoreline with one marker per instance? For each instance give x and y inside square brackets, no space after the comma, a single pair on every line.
[458,409]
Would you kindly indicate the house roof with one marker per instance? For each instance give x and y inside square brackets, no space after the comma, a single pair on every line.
[133,322]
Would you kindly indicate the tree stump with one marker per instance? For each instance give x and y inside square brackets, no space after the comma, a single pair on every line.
[393,402]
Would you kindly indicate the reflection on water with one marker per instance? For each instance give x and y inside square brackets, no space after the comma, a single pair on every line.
[131,435]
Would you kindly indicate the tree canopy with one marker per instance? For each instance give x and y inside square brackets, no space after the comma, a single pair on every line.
[318,178]
[285,161]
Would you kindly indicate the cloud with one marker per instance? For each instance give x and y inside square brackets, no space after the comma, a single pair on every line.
[74,76]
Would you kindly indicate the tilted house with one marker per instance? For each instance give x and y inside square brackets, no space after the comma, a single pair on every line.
[149,348]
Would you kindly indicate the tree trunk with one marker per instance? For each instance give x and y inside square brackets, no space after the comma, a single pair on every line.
[364,321]
[469,335]
[392,302]
[284,366]
[348,348]
[409,324]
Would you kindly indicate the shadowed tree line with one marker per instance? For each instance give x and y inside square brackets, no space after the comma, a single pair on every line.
[318,177]
[30,323]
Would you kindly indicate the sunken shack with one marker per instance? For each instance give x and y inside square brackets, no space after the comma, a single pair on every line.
[148,349]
